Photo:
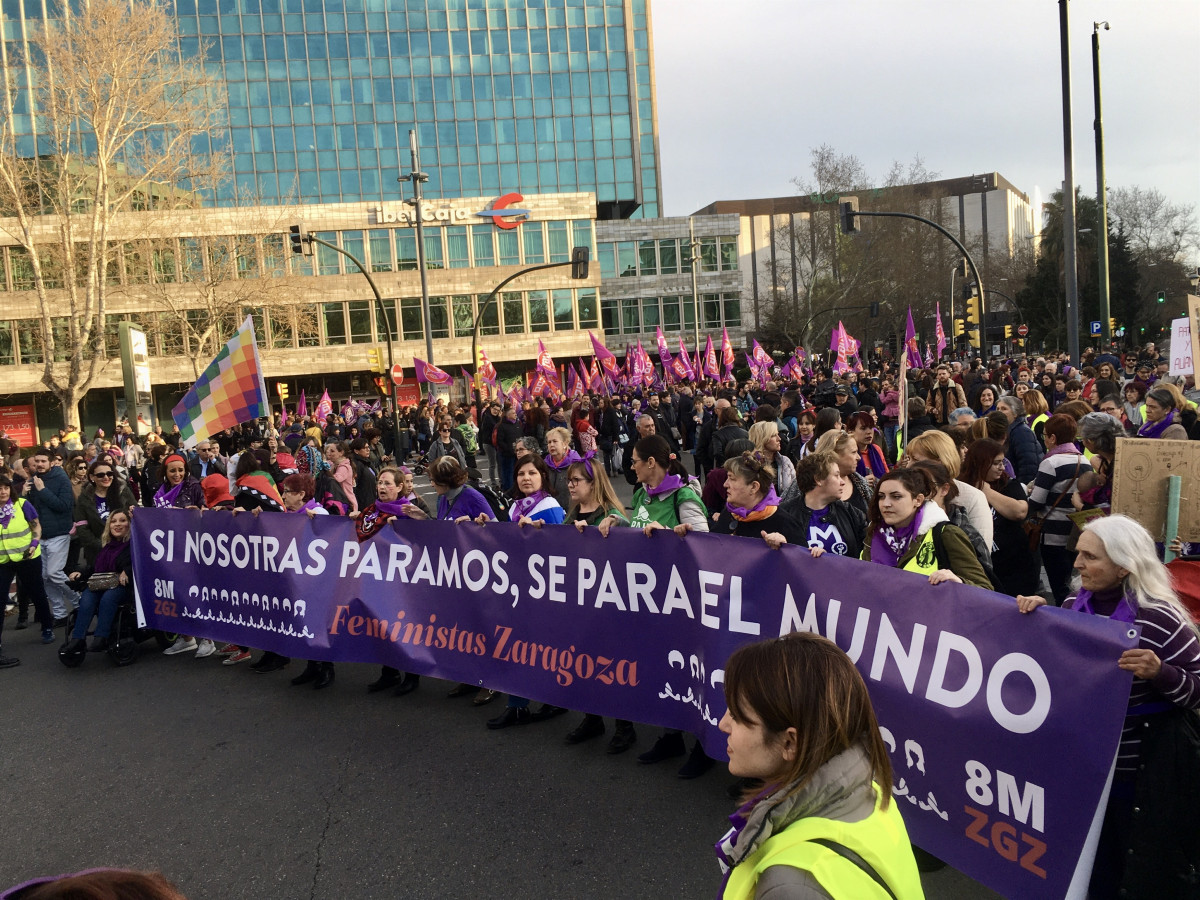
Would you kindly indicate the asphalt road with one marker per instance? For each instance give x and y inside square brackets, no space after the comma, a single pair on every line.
[236,785]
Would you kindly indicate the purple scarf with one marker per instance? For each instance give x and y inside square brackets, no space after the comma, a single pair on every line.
[311,504]
[889,544]
[1064,448]
[164,498]
[394,507]
[668,484]
[526,504]
[1126,608]
[106,559]
[1155,429]
[742,514]
[571,457]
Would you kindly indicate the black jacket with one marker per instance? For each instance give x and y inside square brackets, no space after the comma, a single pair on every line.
[364,481]
[721,439]
[849,521]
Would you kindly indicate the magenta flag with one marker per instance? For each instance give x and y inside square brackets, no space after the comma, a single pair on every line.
[302,406]
[324,407]
[941,332]
[726,353]
[912,348]
[430,373]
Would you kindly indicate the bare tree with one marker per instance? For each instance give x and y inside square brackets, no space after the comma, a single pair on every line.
[115,113]
[1157,229]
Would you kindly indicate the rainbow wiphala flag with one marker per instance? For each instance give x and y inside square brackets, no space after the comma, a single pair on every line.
[230,391]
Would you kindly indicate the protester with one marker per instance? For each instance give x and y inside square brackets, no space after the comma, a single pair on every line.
[800,722]
[1057,480]
[1014,564]
[908,531]
[842,445]
[558,459]
[1162,417]
[342,470]
[105,584]
[833,525]
[1152,800]
[768,441]
[871,462]
[104,492]
[20,558]
[49,491]
[752,507]
[938,446]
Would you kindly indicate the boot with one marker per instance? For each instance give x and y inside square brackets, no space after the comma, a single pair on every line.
[309,674]
[324,676]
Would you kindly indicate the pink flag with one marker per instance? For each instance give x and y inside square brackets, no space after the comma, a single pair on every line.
[664,354]
[710,360]
[283,417]
[545,365]
[686,361]
[485,368]
[302,406]
[763,358]
[324,407]
[607,361]
[941,332]
[430,373]
[726,353]
[910,343]
[842,345]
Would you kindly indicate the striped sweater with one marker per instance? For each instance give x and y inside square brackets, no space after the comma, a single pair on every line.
[1054,477]
[1178,682]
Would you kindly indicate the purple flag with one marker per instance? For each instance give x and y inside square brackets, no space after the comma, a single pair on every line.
[910,343]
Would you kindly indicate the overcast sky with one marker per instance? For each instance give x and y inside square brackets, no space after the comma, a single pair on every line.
[746,89]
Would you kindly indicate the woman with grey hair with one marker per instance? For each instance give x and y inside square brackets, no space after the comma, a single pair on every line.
[1162,418]
[1099,433]
[1152,805]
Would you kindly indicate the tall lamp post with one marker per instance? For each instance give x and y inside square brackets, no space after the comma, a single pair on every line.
[1101,191]
[693,259]
[1070,239]
[418,178]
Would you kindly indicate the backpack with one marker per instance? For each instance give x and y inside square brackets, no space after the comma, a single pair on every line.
[981,549]
[496,436]
[468,438]
[330,494]
[499,503]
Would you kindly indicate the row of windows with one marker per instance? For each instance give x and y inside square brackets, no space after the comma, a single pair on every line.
[641,315]
[169,261]
[333,324]
[666,257]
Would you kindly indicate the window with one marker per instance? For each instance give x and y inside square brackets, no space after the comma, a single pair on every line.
[410,319]
[3,279]
[274,256]
[481,243]
[668,257]
[581,230]
[539,315]
[434,254]
[387,321]
[463,311]
[112,333]
[439,317]
[650,314]
[164,263]
[708,254]
[606,256]
[335,323]
[29,341]
[257,319]
[626,258]
[22,270]
[360,321]
[382,259]
[647,265]
[137,263]
[490,322]
[712,311]
[560,250]
[406,251]
[733,310]
[457,254]
[510,248]
[630,320]
[588,311]
[281,327]
[564,312]
[170,331]
[8,350]
[514,313]
[535,248]
[729,253]
[308,325]
[610,314]
[670,313]
[328,259]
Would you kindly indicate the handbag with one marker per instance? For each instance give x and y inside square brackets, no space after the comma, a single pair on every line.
[1033,527]
[104,581]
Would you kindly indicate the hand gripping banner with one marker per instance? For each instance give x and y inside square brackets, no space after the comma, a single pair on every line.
[1003,727]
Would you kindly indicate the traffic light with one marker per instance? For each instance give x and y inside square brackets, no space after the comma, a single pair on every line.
[875,309]
[375,359]
[848,215]
[972,318]
[1008,332]
[962,269]
[1162,296]
[1112,326]
[579,263]
[282,390]
[300,241]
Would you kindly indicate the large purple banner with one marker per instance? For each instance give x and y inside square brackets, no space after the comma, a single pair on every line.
[1003,727]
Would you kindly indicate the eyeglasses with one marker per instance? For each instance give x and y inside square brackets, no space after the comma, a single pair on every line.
[102,474]
[577,481]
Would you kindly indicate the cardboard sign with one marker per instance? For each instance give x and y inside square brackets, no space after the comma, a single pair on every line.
[1140,473]
[1181,347]
[1193,303]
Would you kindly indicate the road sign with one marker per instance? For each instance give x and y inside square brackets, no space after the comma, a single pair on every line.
[1023,330]
[1096,327]
[397,374]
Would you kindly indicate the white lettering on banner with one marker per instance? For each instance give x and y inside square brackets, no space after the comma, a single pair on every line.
[907,662]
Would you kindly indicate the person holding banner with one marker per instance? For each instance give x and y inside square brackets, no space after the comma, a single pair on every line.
[558,459]
[594,501]
[907,530]
[843,446]
[768,441]
[1150,841]
[832,525]
[752,508]
[823,824]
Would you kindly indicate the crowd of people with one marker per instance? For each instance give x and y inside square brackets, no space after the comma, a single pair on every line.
[998,476]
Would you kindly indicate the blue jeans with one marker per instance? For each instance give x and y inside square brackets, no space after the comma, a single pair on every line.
[889,441]
[507,470]
[102,606]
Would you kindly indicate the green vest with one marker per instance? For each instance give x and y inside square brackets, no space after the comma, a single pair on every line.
[880,839]
[663,509]
[17,535]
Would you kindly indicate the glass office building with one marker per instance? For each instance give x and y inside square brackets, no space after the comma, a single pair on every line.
[535,96]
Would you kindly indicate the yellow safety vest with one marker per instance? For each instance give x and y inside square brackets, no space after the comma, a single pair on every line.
[924,561]
[16,536]
[881,839]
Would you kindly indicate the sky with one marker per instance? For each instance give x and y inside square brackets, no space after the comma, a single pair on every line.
[747,88]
